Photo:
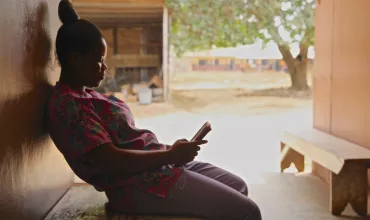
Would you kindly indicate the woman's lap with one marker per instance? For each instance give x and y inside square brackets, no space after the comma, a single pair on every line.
[204,191]
[219,175]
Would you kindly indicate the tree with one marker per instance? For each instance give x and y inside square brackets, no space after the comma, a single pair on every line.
[203,24]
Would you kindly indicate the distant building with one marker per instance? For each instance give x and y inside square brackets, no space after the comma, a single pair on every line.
[242,58]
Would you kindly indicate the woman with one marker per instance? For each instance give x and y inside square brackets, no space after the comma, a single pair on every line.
[99,140]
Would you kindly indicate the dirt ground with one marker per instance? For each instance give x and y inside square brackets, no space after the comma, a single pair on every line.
[231,93]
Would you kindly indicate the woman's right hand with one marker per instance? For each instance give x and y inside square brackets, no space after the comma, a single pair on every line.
[184,151]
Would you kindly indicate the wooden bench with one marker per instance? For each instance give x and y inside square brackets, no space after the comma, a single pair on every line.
[347,162]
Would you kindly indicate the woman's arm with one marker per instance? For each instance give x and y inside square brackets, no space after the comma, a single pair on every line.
[127,162]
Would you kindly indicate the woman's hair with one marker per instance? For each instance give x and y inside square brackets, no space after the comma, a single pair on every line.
[75,35]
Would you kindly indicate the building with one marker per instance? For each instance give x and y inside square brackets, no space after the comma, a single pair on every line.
[137,36]
[242,58]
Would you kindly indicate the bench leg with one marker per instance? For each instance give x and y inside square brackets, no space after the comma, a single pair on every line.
[349,186]
[288,156]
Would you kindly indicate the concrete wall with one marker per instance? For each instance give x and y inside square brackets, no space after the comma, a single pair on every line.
[34,175]
[341,73]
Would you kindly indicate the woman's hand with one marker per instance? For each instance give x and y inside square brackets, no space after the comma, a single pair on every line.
[184,151]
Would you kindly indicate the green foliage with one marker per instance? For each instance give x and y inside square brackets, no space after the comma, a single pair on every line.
[203,24]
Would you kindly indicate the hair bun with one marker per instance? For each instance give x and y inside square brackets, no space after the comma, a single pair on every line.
[67,14]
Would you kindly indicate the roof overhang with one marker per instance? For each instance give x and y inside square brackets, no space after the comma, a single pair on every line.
[120,12]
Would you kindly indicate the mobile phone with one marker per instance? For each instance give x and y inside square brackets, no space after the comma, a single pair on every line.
[202,132]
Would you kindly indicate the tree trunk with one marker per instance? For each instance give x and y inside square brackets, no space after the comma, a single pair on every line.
[298,74]
[297,67]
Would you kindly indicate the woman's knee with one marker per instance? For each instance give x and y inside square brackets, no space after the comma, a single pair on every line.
[255,213]
[243,209]
[240,185]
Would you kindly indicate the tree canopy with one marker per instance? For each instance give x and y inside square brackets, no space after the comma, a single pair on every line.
[204,24]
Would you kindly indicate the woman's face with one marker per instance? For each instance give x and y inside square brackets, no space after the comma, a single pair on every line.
[91,67]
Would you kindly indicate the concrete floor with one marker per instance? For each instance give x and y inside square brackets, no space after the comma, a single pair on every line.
[280,197]
[290,197]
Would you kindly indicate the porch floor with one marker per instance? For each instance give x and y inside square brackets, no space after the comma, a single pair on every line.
[280,197]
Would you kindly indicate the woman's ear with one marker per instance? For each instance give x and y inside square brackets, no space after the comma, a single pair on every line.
[74,59]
